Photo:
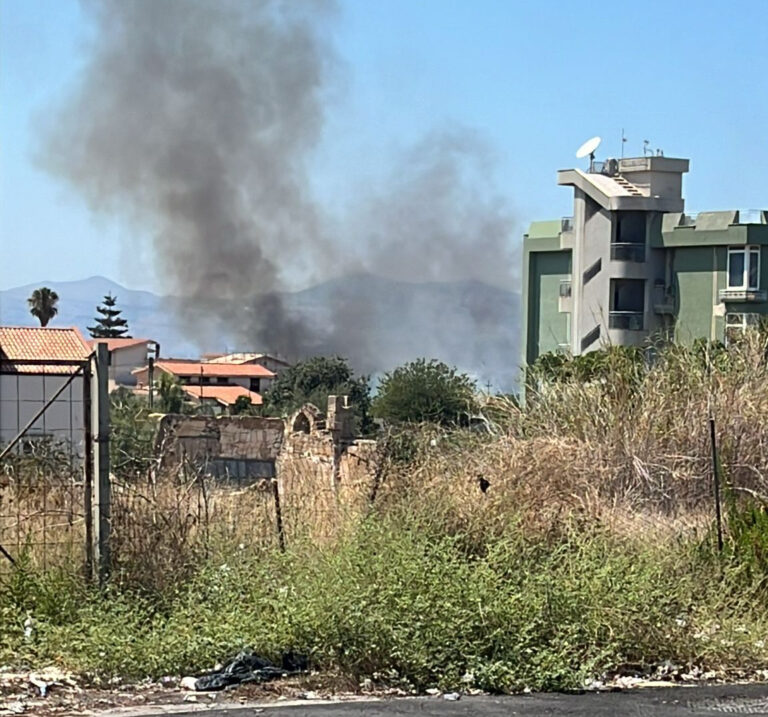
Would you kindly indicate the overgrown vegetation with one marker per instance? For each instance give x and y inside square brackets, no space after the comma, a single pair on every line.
[312,381]
[425,391]
[573,539]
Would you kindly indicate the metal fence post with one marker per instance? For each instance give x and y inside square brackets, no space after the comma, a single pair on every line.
[102,488]
[88,468]
[716,484]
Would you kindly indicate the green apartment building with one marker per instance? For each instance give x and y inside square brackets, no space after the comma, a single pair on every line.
[631,265]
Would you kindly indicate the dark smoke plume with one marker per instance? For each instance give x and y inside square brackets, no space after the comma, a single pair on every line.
[196,119]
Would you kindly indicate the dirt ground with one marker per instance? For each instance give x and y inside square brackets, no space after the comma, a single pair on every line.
[50,692]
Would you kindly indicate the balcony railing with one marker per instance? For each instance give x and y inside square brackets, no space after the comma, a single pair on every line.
[626,320]
[628,251]
[750,295]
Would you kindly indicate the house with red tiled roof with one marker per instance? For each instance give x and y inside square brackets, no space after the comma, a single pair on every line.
[35,363]
[125,356]
[217,385]
[274,363]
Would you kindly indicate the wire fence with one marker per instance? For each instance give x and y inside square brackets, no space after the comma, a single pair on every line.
[173,515]
[44,437]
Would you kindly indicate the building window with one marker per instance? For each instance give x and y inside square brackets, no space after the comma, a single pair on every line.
[255,385]
[744,268]
[737,324]
[629,239]
[627,304]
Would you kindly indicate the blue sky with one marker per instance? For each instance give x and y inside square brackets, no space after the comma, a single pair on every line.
[535,78]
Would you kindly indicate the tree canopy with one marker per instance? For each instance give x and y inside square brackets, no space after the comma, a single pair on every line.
[110,325]
[43,304]
[312,381]
[425,391]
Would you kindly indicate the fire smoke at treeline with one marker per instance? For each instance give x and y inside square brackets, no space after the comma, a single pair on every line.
[197,120]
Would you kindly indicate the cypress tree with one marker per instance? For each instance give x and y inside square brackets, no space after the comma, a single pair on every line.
[109,325]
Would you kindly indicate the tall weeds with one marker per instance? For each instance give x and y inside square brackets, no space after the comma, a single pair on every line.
[572,537]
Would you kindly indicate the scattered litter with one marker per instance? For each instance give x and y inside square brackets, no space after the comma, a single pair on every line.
[247,667]
[452,696]
[309,695]
[190,698]
[28,627]
[188,683]
[13,708]
[433,691]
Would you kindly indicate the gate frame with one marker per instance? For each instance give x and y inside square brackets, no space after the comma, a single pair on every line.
[96,428]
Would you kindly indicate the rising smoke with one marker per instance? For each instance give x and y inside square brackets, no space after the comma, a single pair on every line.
[196,120]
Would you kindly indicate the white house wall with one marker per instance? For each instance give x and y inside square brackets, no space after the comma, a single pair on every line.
[125,360]
[23,395]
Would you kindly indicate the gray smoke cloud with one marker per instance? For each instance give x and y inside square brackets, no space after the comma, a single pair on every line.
[197,119]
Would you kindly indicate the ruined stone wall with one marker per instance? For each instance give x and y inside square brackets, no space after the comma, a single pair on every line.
[322,480]
[236,447]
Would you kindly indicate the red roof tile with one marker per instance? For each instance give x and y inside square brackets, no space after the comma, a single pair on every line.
[183,367]
[223,394]
[34,343]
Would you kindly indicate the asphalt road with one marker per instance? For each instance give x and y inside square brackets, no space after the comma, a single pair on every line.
[664,702]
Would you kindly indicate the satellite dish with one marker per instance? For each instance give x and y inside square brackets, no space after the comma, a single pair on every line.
[588,148]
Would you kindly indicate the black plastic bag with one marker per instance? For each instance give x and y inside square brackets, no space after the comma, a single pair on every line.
[247,667]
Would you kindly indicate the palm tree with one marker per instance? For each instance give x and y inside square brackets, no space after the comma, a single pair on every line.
[42,304]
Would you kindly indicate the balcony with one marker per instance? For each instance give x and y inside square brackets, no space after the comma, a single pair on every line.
[626,320]
[746,295]
[628,251]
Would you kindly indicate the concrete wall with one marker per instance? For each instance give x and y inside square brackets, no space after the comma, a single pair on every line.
[124,360]
[23,395]
[239,448]
[547,327]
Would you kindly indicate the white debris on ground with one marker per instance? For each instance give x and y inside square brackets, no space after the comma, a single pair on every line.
[668,674]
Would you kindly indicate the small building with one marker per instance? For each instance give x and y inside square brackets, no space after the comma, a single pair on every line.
[218,385]
[220,399]
[631,266]
[274,363]
[27,383]
[125,356]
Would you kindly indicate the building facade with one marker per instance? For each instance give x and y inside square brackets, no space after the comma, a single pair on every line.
[631,266]
[28,384]
[125,356]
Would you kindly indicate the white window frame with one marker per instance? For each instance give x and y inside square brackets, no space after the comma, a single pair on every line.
[740,322]
[748,253]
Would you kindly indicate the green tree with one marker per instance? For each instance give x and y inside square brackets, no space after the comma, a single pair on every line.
[425,391]
[170,394]
[628,362]
[132,434]
[243,406]
[312,381]
[109,325]
[42,304]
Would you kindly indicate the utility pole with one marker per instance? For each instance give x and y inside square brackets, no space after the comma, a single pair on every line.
[101,485]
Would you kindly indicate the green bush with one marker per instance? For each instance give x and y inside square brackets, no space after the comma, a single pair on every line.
[401,602]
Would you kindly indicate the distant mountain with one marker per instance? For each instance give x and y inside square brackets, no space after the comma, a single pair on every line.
[378,323]
[148,315]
